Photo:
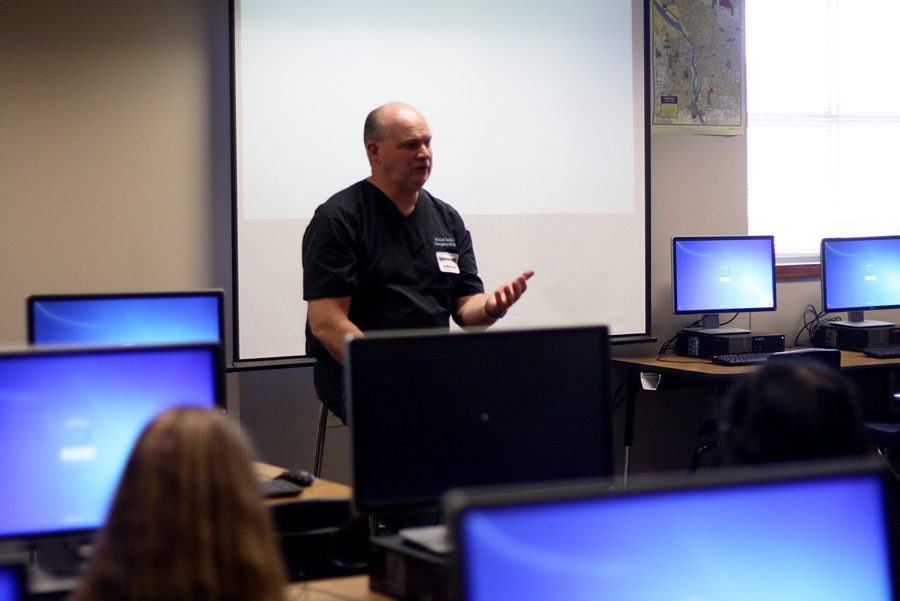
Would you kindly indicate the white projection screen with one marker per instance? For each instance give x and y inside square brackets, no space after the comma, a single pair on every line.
[538,111]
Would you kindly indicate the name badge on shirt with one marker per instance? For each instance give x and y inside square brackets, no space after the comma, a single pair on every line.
[448,262]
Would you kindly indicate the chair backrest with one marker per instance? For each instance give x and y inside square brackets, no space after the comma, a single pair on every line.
[828,356]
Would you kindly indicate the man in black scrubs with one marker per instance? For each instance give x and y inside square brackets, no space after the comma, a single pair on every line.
[385,254]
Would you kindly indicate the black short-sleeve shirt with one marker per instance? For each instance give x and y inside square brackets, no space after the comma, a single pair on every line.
[400,272]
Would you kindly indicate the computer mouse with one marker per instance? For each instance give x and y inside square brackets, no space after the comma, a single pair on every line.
[298,477]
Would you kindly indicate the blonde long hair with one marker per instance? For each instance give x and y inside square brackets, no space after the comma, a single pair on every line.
[188,522]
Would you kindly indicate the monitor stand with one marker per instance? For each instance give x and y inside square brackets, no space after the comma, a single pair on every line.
[855,320]
[55,565]
[710,325]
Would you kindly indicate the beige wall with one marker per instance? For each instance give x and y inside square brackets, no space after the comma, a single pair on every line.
[114,161]
[115,175]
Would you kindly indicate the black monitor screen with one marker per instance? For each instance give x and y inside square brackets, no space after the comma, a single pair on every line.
[778,538]
[129,318]
[70,416]
[433,411]
[860,273]
[723,274]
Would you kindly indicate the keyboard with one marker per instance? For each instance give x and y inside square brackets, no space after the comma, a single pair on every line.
[882,352]
[737,359]
[278,487]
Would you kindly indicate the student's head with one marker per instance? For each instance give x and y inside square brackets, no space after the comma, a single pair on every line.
[188,521]
[791,411]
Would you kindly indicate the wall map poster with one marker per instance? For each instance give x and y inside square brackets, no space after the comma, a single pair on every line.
[697,66]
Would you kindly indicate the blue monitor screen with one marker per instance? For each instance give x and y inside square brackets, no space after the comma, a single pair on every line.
[140,318]
[12,586]
[69,418]
[723,274]
[860,273]
[824,540]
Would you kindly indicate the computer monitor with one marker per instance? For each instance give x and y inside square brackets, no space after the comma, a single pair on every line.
[723,274]
[780,534]
[69,417]
[860,274]
[127,318]
[433,410]
[13,585]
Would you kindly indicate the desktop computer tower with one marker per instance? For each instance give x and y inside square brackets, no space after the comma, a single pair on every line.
[852,339]
[404,571]
[698,344]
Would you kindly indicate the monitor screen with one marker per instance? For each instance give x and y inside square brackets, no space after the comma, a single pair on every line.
[70,416]
[761,536]
[12,582]
[860,273]
[723,274]
[431,411]
[130,318]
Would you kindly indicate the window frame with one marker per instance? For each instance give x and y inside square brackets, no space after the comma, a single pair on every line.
[805,263]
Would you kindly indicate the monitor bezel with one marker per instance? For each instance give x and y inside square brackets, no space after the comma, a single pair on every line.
[216,354]
[216,293]
[712,310]
[374,506]
[215,350]
[824,269]
[458,503]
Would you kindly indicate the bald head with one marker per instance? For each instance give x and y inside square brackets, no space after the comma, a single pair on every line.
[379,121]
[398,145]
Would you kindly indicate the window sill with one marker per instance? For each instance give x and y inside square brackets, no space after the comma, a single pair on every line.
[793,271]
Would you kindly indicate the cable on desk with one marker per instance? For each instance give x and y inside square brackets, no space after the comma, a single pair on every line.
[667,345]
[812,321]
[733,317]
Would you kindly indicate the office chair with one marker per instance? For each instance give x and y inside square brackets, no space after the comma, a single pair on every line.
[710,430]
[320,440]
[883,435]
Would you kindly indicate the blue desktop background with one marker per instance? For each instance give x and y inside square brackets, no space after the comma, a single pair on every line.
[720,275]
[144,320]
[861,273]
[68,423]
[10,584]
[824,541]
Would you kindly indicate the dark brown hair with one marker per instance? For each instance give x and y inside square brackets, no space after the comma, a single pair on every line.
[791,411]
[188,522]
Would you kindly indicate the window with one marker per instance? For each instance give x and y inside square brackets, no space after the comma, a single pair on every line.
[823,123]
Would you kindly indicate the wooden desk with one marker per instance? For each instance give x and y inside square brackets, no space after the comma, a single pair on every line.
[853,361]
[707,372]
[691,367]
[703,372]
[352,588]
[320,489]
[850,360]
